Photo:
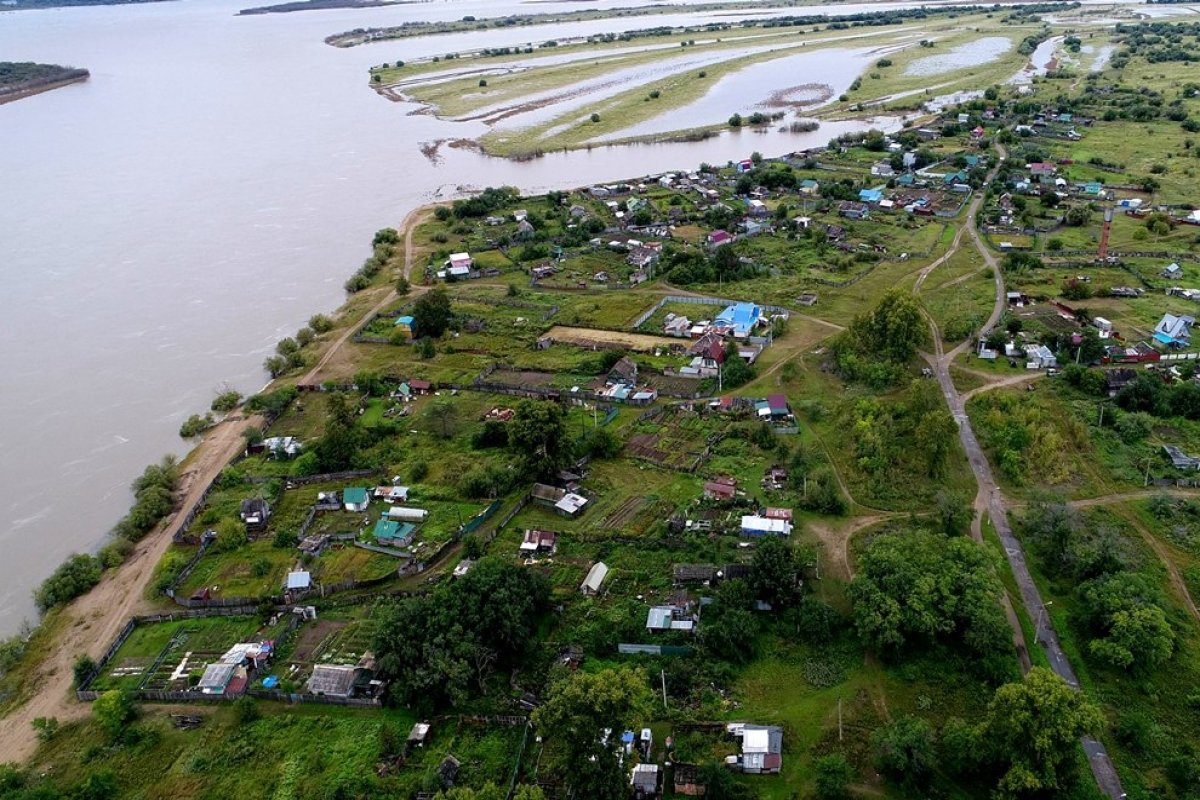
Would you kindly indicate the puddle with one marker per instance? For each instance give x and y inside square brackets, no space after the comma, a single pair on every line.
[970,54]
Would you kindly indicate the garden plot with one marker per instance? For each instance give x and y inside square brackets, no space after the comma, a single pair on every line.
[677,440]
[591,337]
[171,656]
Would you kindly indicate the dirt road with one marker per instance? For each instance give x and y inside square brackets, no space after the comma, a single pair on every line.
[94,619]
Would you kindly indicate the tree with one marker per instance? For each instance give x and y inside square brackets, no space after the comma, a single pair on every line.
[441,414]
[954,512]
[922,587]
[338,446]
[729,626]
[432,314]
[735,371]
[1032,731]
[579,708]
[75,576]
[773,572]
[538,434]
[84,668]
[435,647]
[113,710]
[904,751]
[894,329]
[834,774]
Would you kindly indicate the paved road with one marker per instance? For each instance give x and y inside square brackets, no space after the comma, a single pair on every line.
[991,498]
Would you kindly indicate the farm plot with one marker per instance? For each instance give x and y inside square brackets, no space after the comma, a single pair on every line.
[676,440]
[169,656]
[610,340]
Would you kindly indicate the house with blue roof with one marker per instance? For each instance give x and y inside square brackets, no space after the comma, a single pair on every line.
[870,195]
[404,324]
[740,317]
[1174,331]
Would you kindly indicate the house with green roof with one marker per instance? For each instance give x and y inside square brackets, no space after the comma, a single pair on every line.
[356,499]
[390,533]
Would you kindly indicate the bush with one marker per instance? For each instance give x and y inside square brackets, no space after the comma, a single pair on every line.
[196,425]
[75,576]
[226,401]
[246,710]
[84,668]
[321,323]
[833,776]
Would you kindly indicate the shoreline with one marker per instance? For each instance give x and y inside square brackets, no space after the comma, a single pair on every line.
[17,92]
[88,623]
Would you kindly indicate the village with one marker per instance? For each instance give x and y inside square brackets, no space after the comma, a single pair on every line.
[648,399]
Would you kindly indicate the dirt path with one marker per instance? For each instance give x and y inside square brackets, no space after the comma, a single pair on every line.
[836,539]
[1011,380]
[92,621]
[1164,556]
[409,226]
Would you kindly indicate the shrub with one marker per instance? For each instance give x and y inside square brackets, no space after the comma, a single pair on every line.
[75,576]
[320,323]
[84,668]
[227,401]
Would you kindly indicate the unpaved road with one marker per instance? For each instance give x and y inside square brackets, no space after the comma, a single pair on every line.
[92,621]
[989,498]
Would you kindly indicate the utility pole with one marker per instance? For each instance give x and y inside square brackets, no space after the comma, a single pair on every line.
[1101,425]
[663,675]
[839,718]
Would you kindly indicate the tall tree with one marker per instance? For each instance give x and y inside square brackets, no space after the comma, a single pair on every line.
[904,751]
[538,434]
[774,572]
[582,720]
[1032,731]
[431,314]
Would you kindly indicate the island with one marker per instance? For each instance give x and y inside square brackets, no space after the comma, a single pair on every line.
[19,79]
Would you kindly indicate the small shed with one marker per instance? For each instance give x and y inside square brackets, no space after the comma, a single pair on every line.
[595,579]
[356,499]
[331,680]
[298,581]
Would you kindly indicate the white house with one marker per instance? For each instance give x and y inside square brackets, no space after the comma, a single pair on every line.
[1040,357]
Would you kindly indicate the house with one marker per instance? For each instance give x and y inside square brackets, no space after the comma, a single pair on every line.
[595,579]
[577,212]
[332,680]
[757,208]
[986,353]
[1174,272]
[643,397]
[852,210]
[1041,168]
[677,325]
[642,257]
[404,325]
[778,513]
[565,503]
[282,446]
[1040,357]
[834,233]
[777,404]
[718,238]
[1179,459]
[739,318]
[1117,379]
[538,542]
[525,230]
[745,165]
[870,195]
[809,187]
[1175,331]
[520,215]
[644,781]
[420,386]
[1103,325]
[683,574]
[762,748]
[668,618]
[255,512]
[775,478]
[882,169]
[721,488]
[391,494]
[624,371]
[460,263]
[754,526]
[390,533]
[231,672]
[298,581]
[355,499]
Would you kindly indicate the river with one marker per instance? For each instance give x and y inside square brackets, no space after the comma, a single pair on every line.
[165,223]
[208,189]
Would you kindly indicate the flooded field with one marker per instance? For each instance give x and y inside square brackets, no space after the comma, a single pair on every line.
[970,54]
